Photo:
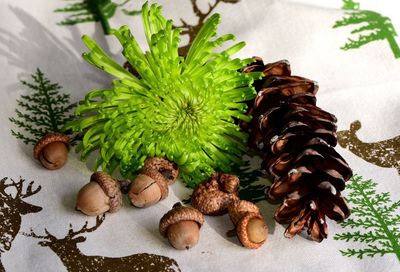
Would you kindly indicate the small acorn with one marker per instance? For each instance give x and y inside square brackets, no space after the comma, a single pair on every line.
[249,224]
[52,150]
[102,194]
[151,185]
[214,196]
[181,226]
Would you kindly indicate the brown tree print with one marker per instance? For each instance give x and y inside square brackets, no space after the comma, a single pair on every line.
[12,207]
[192,30]
[75,261]
[384,153]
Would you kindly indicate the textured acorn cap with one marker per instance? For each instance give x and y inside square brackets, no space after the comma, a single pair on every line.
[110,187]
[214,196]
[168,169]
[242,231]
[239,208]
[48,139]
[177,214]
[241,212]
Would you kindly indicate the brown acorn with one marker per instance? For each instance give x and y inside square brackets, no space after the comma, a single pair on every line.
[250,227]
[181,226]
[102,194]
[52,150]
[151,185]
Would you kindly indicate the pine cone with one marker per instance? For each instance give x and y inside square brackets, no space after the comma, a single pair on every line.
[296,139]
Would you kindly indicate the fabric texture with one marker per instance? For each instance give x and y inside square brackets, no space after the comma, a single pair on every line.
[358,76]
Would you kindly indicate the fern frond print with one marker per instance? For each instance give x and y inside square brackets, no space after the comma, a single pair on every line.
[251,189]
[373,27]
[44,111]
[350,5]
[375,221]
[82,11]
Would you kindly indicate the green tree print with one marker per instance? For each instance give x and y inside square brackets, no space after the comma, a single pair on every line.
[350,5]
[44,111]
[250,189]
[81,11]
[375,221]
[373,27]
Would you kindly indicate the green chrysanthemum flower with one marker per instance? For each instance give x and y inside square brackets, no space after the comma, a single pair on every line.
[184,109]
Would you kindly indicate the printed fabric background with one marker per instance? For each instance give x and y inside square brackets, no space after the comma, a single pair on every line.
[351,48]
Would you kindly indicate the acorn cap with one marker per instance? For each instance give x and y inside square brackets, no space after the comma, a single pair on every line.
[48,139]
[168,169]
[177,214]
[110,187]
[159,179]
[214,196]
[241,212]
[242,231]
[241,207]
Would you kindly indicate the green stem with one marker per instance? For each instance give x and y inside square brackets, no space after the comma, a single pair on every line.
[394,46]
[103,20]
[48,105]
[392,239]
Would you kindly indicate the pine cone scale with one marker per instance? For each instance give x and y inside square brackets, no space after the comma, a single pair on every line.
[279,68]
[297,140]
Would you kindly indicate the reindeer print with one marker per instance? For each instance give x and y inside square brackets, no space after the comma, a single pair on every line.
[11,210]
[192,30]
[384,153]
[75,261]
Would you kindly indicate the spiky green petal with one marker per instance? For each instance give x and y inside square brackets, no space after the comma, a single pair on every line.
[184,109]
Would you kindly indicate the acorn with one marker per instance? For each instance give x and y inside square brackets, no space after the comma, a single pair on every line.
[181,226]
[102,194]
[250,227]
[52,150]
[151,185]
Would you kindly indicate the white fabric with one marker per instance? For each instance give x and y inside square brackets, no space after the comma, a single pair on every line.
[363,85]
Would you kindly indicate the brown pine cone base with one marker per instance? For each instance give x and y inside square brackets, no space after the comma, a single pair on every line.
[297,141]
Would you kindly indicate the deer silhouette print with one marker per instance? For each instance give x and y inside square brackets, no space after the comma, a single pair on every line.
[12,207]
[75,261]
[192,30]
[384,153]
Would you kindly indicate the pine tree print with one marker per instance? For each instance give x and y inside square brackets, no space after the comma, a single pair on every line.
[81,11]
[350,5]
[45,110]
[250,189]
[375,221]
[374,27]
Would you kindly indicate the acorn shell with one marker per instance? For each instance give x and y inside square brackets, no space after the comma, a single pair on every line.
[178,214]
[48,139]
[111,188]
[163,166]
[242,233]
[159,179]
